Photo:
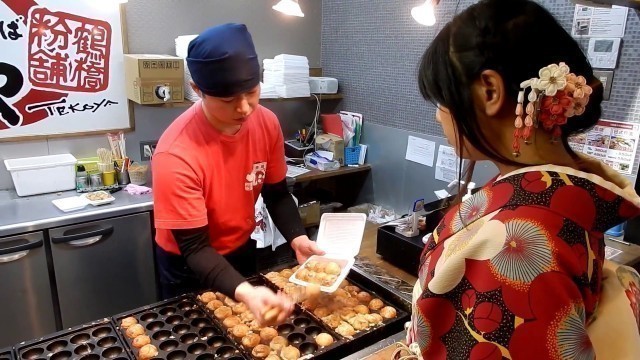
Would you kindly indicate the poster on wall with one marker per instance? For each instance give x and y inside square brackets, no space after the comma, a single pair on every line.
[63,68]
[599,22]
[613,142]
[447,164]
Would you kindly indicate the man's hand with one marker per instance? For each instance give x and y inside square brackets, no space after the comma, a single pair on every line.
[304,248]
[260,299]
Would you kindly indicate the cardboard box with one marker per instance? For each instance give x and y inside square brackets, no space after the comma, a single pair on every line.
[310,213]
[332,143]
[148,77]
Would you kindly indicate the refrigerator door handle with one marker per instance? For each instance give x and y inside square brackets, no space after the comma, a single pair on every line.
[83,239]
[13,253]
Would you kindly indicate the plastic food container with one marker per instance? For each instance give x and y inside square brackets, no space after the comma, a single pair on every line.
[340,236]
[70,203]
[106,198]
[42,174]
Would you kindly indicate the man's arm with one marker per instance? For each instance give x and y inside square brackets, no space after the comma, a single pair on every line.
[211,268]
[283,210]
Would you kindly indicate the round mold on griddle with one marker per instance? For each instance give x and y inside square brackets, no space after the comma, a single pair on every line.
[62,355]
[302,322]
[313,330]
[235,358]
[225,352]
[296,338]
[107,341]
[197,348]
[32,353]
[177,355]
[181,328]
[186,305]
[112,352]
[188,338]
[206,357]
[101,332]
[84,349]
[307,348]
[192,314]
[174,319]
[150,316]
[217,341]
[207,331]
[200,322]
[167,311]
[90,357]
[81,338]
[285,329]
[57,345]
[154,326]
[169,345]
[161,335]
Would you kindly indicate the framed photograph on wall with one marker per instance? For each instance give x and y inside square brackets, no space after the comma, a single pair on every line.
[63,68]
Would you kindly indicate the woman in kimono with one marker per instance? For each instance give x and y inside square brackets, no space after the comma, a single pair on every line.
[518,270]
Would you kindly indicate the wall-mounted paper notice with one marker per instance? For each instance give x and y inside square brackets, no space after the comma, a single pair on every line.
[420,150]
[447,164]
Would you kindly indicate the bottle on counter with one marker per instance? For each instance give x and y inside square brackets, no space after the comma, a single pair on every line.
[82,181]
[96,181]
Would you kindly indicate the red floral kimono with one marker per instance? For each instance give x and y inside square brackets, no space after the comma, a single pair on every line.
[516,271]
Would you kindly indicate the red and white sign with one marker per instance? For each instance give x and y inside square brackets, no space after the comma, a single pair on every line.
[63,65]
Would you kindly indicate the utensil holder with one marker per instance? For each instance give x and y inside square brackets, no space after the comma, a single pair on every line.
[105,167]
[123,177]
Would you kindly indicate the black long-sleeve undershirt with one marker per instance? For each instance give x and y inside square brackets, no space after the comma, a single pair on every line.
[211,268]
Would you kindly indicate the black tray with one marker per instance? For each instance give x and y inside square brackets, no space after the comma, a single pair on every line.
[179,329]
[6,354]
[365,338]
[299,329]
[94,341]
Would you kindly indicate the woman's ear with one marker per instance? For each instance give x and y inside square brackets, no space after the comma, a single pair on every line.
[489,92]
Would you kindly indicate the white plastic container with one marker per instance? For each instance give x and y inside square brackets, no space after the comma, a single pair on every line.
[72,203]
[108,198]
[42,174]
[340,236]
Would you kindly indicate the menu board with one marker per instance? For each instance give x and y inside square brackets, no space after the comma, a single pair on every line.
[613,142]
[63,68]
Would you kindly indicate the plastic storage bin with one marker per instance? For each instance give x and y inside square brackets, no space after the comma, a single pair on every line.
[352,155]
[42,174]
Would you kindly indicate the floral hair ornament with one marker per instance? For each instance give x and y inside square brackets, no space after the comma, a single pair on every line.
[554,97]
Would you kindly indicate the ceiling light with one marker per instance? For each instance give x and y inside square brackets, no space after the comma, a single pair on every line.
[424,14]
[289,7]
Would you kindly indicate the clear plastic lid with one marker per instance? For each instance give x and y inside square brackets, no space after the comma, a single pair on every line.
[341,233]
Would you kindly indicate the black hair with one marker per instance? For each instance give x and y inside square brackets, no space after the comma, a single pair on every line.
[515,38]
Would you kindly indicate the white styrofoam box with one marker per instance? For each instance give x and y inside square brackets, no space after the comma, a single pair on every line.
[42,174]
[339,236]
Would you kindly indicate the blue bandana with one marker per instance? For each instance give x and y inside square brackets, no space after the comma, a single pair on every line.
[223,61]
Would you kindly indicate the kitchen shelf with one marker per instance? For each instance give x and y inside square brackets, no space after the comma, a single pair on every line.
[311,98]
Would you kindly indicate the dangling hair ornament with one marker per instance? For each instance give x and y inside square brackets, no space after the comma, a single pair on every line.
[554,97]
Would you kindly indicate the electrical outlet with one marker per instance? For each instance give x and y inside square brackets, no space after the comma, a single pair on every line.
[146,149]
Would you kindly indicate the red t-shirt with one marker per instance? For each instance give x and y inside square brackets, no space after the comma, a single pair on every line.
[201,176]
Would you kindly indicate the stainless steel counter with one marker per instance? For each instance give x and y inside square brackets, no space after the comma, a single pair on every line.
[401,336]
[25,214]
